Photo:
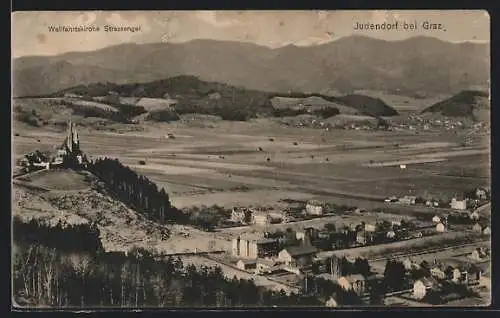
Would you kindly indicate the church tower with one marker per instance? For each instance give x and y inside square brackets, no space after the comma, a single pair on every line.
[69,139]
[76,141]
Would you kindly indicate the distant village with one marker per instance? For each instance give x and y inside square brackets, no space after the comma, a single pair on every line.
[412,123]
[302,252]
[307,252]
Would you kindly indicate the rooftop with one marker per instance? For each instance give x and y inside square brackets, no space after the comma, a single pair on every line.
[455,263]
[429,282]
[354,278]
[248,261]
[267,262]
[265,241]
[301,250]
[315,202]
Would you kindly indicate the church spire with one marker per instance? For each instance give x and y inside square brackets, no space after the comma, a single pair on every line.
[70,137]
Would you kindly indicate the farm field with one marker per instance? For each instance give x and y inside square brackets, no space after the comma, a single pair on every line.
[223,165]
[427,186]
[213,165]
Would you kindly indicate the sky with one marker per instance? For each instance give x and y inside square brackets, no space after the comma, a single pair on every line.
[31,36]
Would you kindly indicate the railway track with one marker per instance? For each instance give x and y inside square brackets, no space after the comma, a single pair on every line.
[429,251]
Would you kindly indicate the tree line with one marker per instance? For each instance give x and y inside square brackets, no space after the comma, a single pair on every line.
[319,287]
[63,236]
[137,190]
[45,276]
[144,196]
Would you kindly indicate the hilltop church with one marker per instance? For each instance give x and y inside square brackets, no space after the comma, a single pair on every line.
[69,152]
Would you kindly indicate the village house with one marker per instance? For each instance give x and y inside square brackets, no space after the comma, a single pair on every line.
[461,272]
[481,228]
[477,228]
[267,266]
[395,223]
[370,227]
[437,271]
[474,215]
[480,254]
[361,238]
[407,199]
[247,264]
[486,230]
[458,204]
[331,302]
[323,235]
[482,193]
[354,282]
[431,203]
[422,286]
[303,237]
[417,235]
[254,248]
[344,230]
[314,207]
[410,264]
[307,235]
[485,281]
[241,215]
[264,219]
[298,256]
[360,211]
[440,228]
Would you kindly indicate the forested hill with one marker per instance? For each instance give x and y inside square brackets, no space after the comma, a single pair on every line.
[192,95]
[470,103]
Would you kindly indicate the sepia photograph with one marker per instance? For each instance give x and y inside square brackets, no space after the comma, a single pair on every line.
[250,159]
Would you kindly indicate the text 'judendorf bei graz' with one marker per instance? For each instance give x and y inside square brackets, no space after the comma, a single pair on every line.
[399,25]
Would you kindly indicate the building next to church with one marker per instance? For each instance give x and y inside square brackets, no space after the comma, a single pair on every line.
[68,154]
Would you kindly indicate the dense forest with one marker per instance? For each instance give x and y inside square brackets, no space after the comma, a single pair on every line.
[45,276]
[144,196]
[65,266]
[136,190]
[462,104]
[65,237]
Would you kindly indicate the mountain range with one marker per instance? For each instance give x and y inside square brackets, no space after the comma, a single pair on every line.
[415,66]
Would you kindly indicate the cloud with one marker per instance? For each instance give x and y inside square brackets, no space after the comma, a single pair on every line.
[379,16]
[86,18]
[119,19]
[269,28]
[212,18]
